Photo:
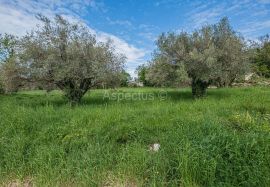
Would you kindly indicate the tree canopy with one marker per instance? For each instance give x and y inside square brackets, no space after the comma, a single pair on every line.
[261,58]
[10,69]
[214,54]
[69,56]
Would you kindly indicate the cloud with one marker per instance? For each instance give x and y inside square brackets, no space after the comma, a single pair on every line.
[255,27]
[264,1]
[18,17]
[149,32]
[243,11]
[149,36]
[133,54]
[168,3]
[119,22]
[206,16]
[14,21]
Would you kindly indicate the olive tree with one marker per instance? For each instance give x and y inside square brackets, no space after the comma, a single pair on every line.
[231,54]
[142,72]
[194,53]
[125,78]
[209,55]
[163,74]
[69,56]
[261,58]
[2,90]
[10,69]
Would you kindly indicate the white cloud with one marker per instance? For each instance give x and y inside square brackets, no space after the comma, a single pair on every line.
[256,26]
[18,17]
[133,54]
[126,23]
[168,3]
[249,13]
[14,21]
[206,16]
[149,36]
[264,1]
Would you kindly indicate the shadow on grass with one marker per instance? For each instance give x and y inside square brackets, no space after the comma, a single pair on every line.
[97,98]
[218,93]
[94,101]
[41,100]
[186,95]
[180,95]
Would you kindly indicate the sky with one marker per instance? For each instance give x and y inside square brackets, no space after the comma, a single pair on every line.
[134,25]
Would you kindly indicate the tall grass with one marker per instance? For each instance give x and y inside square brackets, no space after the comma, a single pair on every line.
[222,140]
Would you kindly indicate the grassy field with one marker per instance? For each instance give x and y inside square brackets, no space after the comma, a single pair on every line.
[221,140]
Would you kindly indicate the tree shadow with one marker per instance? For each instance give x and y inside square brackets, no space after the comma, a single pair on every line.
[98,99]
[218,93]
[39,100]
[180,95]
[186,94]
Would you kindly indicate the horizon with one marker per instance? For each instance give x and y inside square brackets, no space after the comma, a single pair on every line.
[135,25]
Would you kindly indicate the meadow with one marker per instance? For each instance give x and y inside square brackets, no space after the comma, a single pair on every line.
[220,140]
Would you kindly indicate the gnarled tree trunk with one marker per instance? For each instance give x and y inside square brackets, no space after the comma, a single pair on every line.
[74,90]
[199,88]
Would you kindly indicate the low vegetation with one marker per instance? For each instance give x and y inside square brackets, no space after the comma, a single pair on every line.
[134,136]
[67,56]
[222,140]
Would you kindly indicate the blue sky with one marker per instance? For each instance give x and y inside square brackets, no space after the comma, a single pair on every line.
[134,25]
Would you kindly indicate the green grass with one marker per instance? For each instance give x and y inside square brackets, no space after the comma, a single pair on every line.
[221,140]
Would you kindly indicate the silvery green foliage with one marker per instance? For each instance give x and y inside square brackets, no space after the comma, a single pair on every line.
[69,56]
[161,73]
[232,54]
[10,69]
[261,57]
[7,47]
[2,90]
[214,54]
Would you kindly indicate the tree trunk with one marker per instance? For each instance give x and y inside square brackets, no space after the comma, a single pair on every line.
[199,88]
[74,96]
[74,92]
[232,80]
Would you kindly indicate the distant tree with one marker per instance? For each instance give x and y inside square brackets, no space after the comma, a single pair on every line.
[68,56]
[142,72]
[125,78]
[1,69]
[9,66]
[2,89]
[210,55]
[261,58]
[116,79]
[160,73]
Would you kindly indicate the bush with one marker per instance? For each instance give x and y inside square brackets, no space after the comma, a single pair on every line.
[1,88]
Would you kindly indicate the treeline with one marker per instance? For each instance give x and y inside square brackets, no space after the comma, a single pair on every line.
[67,56]
[62,55]
[213,55]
